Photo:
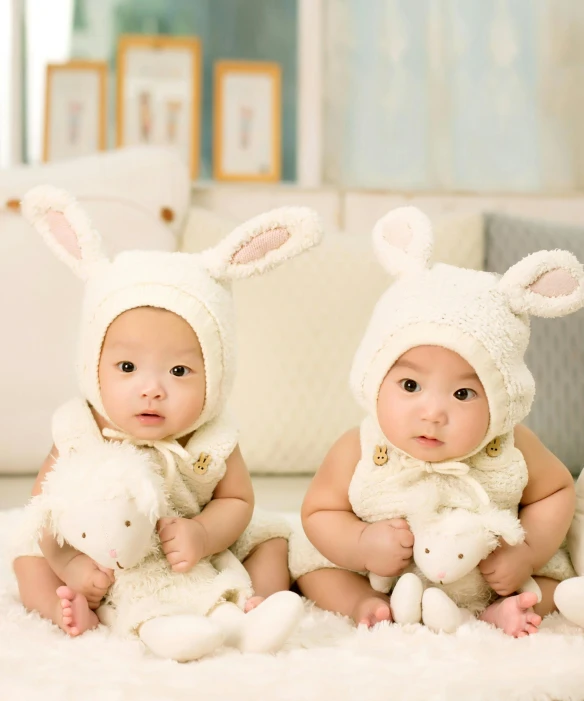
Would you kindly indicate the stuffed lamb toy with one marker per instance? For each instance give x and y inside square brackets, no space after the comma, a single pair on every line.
[105,501]
[444,586]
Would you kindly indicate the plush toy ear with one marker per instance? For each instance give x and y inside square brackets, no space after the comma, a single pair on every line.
[65,228]
[264,242]
[505,525]
[37,516]
[403,240]
[149,496]
[546,284]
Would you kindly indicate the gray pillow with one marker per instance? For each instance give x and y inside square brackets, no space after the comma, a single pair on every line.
[556,350]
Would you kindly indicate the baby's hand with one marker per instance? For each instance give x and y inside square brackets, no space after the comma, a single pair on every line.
[86,577]
[387,547]
[507,568]
[183,540]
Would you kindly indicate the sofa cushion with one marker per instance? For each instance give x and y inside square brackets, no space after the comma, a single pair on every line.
[556,351]
[298,329]
[137,198]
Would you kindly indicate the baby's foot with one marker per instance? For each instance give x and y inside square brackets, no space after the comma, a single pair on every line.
[514,615]
[253,602]
[74,612]
[371,611]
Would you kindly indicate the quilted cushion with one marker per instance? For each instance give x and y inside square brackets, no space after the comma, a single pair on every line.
[556,351]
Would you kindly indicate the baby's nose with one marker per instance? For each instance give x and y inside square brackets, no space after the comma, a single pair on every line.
[113,553]
[441,575]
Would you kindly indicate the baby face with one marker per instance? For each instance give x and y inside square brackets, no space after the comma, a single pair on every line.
[432,406]
[152,373]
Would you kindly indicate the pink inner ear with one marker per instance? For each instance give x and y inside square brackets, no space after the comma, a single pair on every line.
[63,233]
[399,234]
[555,283]
[262,244]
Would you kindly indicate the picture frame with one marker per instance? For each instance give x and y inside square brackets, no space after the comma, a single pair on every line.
[75,109]
[247,121]
[159,89]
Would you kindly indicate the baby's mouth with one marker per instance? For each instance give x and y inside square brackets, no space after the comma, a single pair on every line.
[118,564]
[150,417]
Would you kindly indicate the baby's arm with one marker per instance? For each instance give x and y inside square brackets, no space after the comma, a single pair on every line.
[384,548]
[230,510]
[546,511]
[548,501]
[218,526]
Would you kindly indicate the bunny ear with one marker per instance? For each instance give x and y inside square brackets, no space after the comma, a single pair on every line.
[546,284]
[264,242]
[504,524]
[65,228]
[149,495]
[403,240]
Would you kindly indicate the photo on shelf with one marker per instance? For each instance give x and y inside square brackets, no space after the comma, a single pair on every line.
[159,94]
[247,121]
[75,109]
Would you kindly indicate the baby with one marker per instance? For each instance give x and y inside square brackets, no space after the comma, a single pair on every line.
[441,375]
[155,367]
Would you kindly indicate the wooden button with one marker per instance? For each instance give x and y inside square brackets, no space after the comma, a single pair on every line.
[202,464]
[13,205]
[167,214]
[380,455]
[493,449]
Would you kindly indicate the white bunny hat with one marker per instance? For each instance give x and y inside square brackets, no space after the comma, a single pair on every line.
[481,316]
[193,286]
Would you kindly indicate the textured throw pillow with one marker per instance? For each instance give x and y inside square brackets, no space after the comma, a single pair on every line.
[137,198]
[298,329]
[556,351]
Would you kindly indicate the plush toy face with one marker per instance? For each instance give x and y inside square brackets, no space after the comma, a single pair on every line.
[444,559]
[112,532]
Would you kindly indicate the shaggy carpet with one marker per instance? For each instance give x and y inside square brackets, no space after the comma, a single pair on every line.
[327,659]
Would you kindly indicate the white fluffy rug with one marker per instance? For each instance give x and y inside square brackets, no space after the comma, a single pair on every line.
[327,659]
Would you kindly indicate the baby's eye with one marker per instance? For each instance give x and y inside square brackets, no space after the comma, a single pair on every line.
[465,394]
[179,371]
[410,385]
[83,535]
[126,366]
[128,524]
[426,550]
[460,556]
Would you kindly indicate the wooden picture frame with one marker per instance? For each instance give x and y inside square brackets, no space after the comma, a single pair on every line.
[75,109]
[247,121]
[159,88]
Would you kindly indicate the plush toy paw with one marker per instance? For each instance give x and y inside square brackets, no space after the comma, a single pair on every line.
[182,638]
[406,599]
[440,613]
[569,598]
[265,628]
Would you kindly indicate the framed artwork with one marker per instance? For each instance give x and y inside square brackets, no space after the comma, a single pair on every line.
[75,109]
[159,94]
[247,121]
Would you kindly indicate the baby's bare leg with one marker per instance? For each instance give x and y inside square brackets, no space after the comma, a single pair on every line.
[38,585]
[267,565]
[548,587]
[348,593]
